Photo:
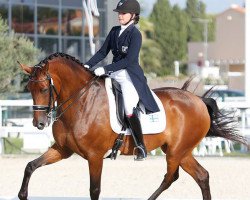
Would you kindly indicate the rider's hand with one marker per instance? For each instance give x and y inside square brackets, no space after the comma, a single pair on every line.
[86,66]
[99,71]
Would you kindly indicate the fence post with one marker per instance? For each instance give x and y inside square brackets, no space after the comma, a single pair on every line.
[1,116]
[1,145]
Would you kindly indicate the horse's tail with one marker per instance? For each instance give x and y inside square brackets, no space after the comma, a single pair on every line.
[222,125]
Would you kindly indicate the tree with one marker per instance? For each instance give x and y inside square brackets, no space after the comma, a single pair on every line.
[14,48]
[173,28]
[180,36]
[170,33]
[161,17]
[195,30]
[197,10]
[150,54]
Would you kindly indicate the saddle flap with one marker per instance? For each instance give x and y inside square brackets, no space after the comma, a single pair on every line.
[119,103]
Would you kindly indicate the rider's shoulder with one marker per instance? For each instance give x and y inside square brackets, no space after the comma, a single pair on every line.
[136,32]
[115,28]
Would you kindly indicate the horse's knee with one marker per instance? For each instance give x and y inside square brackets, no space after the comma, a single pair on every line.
[168,179]
[173,178]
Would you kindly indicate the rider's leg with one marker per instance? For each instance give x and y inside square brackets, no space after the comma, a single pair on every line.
[131,99]
[128,91]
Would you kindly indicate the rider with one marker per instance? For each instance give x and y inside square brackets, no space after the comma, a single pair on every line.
[125,42]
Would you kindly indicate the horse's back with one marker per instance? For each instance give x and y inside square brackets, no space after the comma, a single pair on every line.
[176,96]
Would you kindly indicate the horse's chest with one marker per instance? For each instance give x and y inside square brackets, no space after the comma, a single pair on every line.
[60,138]
[60,133]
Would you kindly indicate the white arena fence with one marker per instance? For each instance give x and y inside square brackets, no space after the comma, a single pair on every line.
[34,140]
[38,141]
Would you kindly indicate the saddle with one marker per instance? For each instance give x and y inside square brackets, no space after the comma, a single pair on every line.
[153,123]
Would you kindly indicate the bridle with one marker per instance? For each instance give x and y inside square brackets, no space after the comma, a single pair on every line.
[46,108]
[51,109]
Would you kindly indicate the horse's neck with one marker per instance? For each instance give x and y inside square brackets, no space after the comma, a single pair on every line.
[71,78]
[75,84]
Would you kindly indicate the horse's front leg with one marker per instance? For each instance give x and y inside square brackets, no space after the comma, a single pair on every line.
[53,155]
[95,172]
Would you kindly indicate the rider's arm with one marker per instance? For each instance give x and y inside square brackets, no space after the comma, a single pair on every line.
[102,53]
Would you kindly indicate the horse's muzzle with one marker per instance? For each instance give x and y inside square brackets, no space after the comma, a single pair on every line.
[40,124]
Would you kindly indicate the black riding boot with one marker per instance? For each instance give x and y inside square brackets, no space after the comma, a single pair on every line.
[136,131]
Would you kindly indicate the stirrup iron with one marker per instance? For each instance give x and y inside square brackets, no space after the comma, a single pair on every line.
[140,151]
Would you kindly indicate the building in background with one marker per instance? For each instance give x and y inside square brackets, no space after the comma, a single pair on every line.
[58,25]
[227,52]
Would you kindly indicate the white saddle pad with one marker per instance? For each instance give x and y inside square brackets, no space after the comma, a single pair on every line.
[151,123]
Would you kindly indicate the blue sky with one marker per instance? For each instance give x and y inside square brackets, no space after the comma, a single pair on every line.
[213,6]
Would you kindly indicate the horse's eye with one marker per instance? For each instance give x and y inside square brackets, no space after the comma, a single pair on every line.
[45,90]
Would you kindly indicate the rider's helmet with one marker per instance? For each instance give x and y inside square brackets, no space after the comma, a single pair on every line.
[128,6]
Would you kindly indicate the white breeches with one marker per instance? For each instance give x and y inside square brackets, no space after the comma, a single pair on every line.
[129,93]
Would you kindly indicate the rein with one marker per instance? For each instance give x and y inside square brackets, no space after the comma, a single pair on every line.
[75,96]
[78,96]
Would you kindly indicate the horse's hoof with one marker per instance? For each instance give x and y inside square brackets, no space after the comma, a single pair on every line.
[23,195]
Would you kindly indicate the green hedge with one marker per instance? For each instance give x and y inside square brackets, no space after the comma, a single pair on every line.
[13,145]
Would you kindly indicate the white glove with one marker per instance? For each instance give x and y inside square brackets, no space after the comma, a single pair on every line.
[86,66]
[99,71]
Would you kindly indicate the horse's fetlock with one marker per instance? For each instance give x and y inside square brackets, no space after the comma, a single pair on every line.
[95,190]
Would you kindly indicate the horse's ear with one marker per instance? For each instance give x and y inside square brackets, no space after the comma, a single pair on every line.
[26,69]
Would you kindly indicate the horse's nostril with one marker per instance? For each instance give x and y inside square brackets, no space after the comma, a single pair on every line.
[40,126]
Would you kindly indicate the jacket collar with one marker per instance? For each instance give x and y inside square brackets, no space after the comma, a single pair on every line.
[123,27]
[128,29]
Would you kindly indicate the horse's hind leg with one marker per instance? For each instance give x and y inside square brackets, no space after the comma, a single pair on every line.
[200,175]
[53,155]
[171,176]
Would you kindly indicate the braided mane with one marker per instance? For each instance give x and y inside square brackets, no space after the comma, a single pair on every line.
[55,55]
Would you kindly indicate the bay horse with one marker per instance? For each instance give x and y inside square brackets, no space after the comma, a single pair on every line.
[83,125]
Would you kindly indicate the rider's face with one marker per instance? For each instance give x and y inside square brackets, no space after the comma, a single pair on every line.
[124,18]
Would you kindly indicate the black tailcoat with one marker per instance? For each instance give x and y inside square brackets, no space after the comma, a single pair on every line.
[125,49]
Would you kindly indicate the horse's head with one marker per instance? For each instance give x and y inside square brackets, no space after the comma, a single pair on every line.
[43,92]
